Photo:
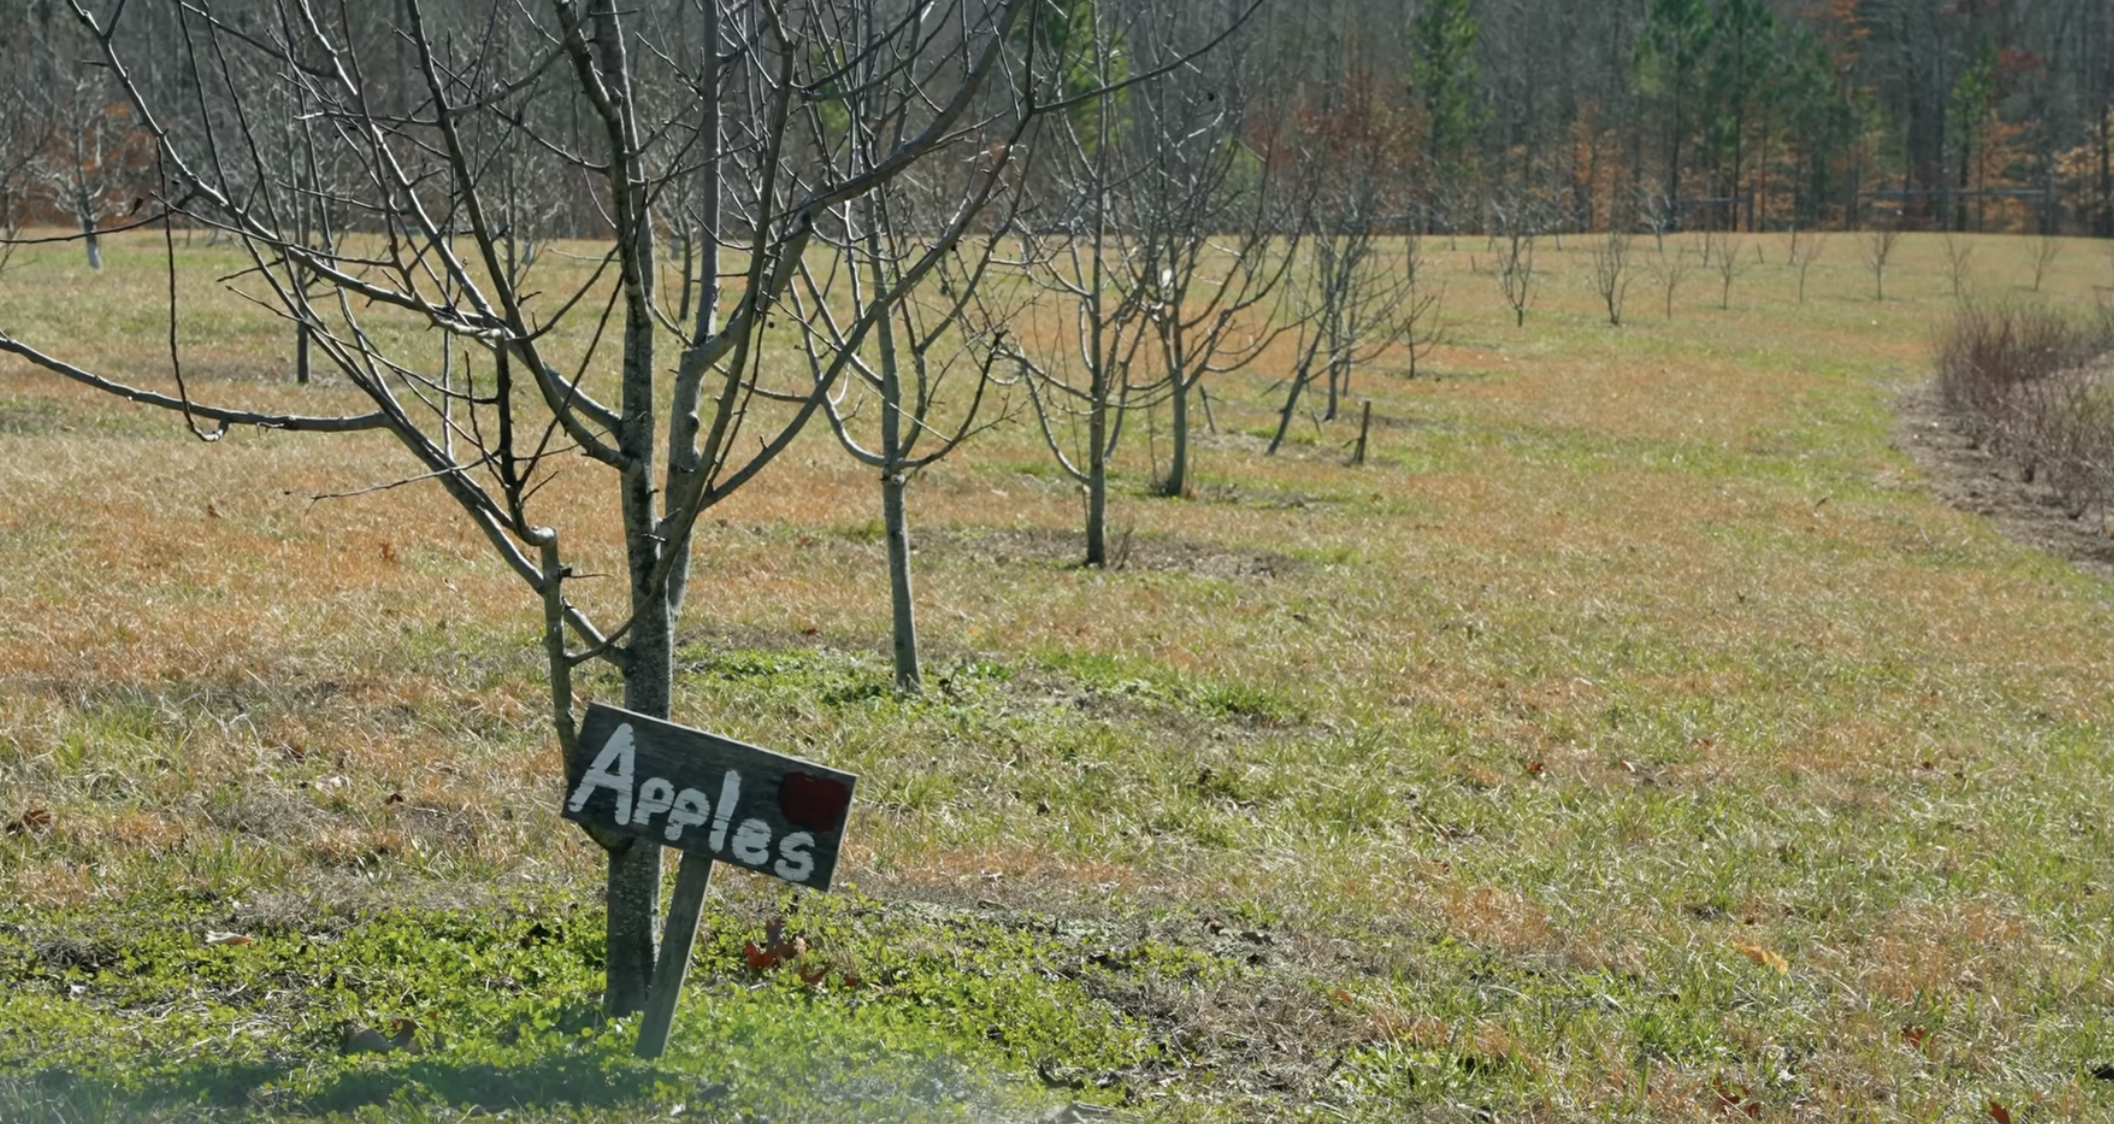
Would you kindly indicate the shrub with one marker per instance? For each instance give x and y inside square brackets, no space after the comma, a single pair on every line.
[2037,387]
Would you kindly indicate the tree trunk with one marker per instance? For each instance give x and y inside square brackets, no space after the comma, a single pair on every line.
[1097,476]
[1177,482]
[635,871]
[301,359]
[84,211]
[634,878]
[903,611]
[1284,417]
[1335,392]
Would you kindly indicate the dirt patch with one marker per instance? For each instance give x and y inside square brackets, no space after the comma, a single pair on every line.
[1967,475]
[1127,551]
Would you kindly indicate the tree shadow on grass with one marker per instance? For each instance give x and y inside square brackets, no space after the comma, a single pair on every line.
[583,1079]
[577,1079]
[60,1096]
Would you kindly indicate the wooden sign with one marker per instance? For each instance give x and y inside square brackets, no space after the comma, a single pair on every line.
[714,799]
[705,794]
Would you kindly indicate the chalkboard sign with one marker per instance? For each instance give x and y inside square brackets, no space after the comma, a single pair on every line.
[707,795]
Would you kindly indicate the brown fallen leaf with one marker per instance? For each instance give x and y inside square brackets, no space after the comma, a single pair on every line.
[228,940]
[1915,1036]
[760,959]
[1763,956]
[35,819]
[1998,1112]
[775,950]
[1736,1099]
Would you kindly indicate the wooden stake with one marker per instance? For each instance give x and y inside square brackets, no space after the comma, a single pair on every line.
[1365,426]
[1204,393]
[691,881]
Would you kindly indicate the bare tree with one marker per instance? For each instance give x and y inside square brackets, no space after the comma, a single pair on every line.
[1349,149]
[1419,327]
[91,151]
[1213,238]
[1728,263]
[2045,250]
[1116,238]
[1959,257]
[1080,388]
[680,413]
[20,139]
[1668,266]
[1611,271]
[1515,270]
[1878,245]
[917,355]
[1806,247]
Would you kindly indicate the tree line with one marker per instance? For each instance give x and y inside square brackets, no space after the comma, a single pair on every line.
[1668,114]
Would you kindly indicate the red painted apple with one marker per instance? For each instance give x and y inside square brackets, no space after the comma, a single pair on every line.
[815,803]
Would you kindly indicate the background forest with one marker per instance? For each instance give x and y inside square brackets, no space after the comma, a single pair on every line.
[1966,115]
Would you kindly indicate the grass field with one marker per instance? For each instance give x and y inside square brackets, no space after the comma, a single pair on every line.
[1632,738]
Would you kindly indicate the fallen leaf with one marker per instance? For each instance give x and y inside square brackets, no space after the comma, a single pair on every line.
[851,979]
[811,630]
[389,552]
[1736,1098]
[1763,956]
[211,511]
[775,950]
[1534,768]
[35,819]
[393,799]
[230,940]
[760,959]
[1915,1036]
[1341,996]
[1998,1112]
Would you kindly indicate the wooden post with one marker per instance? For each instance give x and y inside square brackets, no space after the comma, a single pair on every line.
[1204,392]
[692,879]
[1365,427]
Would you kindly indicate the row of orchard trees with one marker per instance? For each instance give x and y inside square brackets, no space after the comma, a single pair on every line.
[896,181]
